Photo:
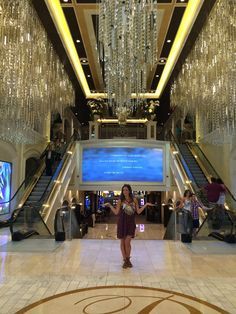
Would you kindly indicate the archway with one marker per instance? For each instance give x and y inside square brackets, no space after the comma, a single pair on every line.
[31,165]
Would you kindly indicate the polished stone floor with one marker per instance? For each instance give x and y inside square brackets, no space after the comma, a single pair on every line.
[28,277]
[143,231]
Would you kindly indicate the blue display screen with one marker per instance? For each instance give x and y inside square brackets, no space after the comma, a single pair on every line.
[5,186]
[125,164]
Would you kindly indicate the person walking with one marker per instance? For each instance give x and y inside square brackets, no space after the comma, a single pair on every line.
[126,208]
[213,190]
[49,159]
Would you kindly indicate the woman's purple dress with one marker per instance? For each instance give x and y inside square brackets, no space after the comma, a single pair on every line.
[126,220]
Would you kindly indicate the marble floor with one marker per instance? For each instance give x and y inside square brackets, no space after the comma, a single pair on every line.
[168,268]
[143,231]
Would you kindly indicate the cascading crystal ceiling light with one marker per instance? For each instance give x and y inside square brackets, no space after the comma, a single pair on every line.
[127,49]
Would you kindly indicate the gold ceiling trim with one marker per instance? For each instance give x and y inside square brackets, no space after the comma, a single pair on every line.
[165,23]
[185,27]
[84,14]
[63,30]
[127,121]
[186,24]
[133,95]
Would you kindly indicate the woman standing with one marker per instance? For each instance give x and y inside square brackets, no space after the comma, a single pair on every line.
[126,208]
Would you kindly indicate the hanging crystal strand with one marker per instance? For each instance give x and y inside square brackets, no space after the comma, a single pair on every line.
[211,64]
[124,36]
[28,88]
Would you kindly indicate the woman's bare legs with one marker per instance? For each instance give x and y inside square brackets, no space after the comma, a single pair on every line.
[125,247]
[128,246]
[122,248]
[128,250]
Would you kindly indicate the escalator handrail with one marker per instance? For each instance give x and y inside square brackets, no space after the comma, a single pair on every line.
[176,141]
[64,208]
[174,138]
[185,166]
[57,171]
[15,214]
[31,175]
[192,184]
[53,176]
[228,213]
[207,160]
[16,211]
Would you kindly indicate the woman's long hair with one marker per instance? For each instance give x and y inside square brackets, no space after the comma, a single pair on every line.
[122,197]
[187,193]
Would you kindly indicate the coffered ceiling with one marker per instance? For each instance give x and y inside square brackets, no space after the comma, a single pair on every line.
[77,21]
[82,19]
[72,26]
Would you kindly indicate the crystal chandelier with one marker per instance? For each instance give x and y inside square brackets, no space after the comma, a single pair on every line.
[211,64]
[128,47]
[33,80]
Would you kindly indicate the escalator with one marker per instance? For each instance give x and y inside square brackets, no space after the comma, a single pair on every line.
[196,172]
[67,226]
[191,161]
[32,214]
[23,193]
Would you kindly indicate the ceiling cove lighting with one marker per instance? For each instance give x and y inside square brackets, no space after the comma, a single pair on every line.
[128,120]
[60,22]
[190,15]
[185,27]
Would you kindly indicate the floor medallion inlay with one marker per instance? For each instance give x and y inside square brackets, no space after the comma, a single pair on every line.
[121,299]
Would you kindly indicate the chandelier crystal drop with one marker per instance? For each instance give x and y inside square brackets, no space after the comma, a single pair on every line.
[127,49]
[33,80]
[205,87]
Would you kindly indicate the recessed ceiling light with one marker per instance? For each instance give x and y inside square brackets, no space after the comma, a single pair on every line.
[77,40]
[88,75]
[168,41]
[65,0]
[182,0]
[157,75]
[84,60]
[162,60]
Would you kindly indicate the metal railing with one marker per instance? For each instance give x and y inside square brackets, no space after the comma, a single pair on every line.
[221,221]
[25,188]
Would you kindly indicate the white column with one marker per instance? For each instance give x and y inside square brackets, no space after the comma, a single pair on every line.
[71,126]
[173,126]
[151,130]
[93,130]
[96,130]
[47,127]
[20,163]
